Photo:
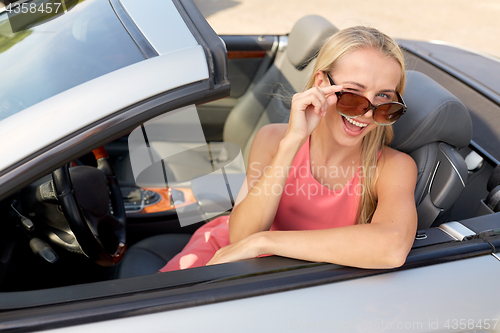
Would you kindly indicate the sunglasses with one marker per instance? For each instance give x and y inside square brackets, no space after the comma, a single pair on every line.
[351,105]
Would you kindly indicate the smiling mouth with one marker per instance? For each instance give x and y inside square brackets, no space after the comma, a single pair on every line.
[353,125]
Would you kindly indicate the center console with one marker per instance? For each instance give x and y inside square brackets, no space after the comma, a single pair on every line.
[154,200]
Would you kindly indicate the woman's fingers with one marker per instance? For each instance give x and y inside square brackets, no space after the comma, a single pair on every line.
[226,254]
[331,89]
[309,107]
[330,96]
[318,97]
[318,101]
[313,97]
[244,249]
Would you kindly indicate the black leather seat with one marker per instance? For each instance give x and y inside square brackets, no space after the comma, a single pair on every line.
[435,124]
[151,254]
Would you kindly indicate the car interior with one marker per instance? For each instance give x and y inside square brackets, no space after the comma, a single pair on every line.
[42,234]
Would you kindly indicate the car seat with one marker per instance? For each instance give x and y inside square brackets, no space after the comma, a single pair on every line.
[435,124]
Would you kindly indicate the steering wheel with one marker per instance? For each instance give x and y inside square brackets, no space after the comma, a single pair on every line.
[84,194]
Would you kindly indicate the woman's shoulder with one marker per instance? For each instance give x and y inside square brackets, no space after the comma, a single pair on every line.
[264,147]
[395,158]
[397,166]
[274,132]
[268,137]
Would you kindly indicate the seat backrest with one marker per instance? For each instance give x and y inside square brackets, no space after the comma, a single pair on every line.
[269,100]
[435,123]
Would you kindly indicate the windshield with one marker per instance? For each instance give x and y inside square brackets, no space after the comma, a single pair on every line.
[37,63]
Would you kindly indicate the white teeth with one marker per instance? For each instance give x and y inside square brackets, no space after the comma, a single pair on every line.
[354,122]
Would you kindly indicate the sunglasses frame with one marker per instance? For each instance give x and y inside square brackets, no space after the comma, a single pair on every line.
[370,105]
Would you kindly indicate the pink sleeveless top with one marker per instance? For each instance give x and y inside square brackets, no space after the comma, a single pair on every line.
[305,204]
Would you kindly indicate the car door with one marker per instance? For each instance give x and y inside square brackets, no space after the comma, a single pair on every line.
[188,67]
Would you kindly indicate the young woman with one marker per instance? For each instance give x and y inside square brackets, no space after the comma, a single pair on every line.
[325,187]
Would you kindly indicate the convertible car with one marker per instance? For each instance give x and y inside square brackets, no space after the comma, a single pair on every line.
[127,126]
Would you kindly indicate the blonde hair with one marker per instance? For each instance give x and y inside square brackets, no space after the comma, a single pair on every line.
[336,47]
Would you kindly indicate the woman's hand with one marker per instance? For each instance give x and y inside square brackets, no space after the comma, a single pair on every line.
[308,108]
[249,247]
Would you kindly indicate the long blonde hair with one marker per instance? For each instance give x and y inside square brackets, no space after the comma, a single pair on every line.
[336,47]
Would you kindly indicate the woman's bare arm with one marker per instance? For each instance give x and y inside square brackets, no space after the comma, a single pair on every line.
[255,209]
[272,153]
[384,243]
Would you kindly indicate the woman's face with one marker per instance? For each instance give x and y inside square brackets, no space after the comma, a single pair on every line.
[365,72]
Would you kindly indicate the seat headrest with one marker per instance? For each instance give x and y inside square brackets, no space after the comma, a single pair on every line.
[306,38]
[433,115]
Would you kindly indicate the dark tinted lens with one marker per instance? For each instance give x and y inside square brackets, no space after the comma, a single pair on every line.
[388,113]
[352,105]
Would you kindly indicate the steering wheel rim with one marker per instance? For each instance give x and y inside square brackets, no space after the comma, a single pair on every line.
[102,237]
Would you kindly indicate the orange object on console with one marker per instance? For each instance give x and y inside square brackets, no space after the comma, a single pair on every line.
[100,152]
